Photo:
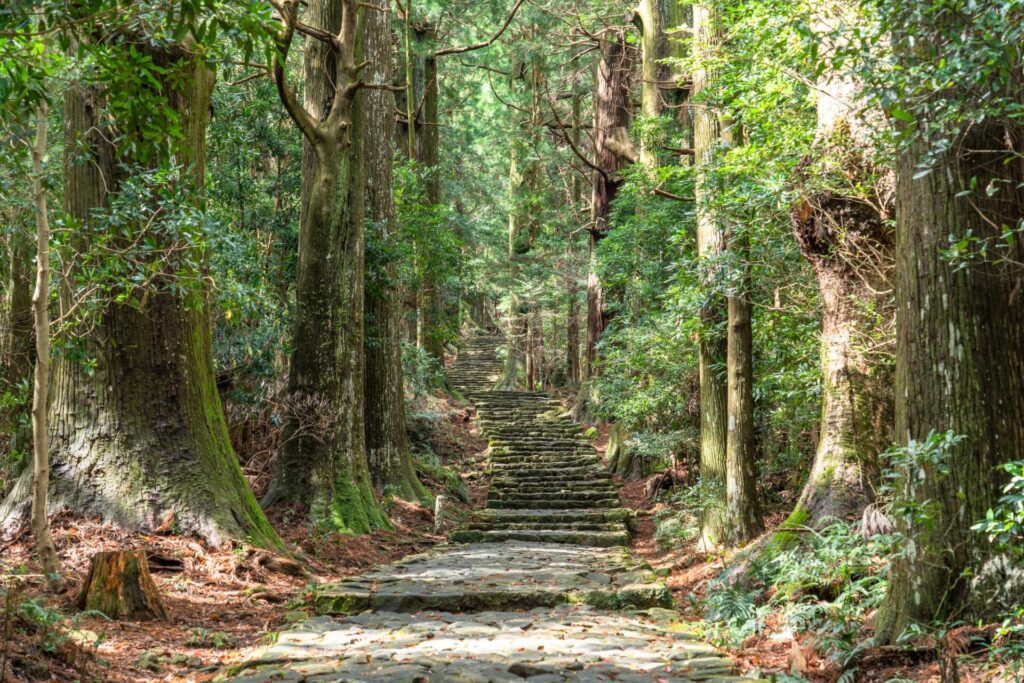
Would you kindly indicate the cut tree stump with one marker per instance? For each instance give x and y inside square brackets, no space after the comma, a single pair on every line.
[119,586]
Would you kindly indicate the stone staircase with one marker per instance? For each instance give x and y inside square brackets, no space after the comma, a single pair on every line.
[478,366]
[547,482]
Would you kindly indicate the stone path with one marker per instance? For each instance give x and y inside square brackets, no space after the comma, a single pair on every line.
[512,611]
[547,482]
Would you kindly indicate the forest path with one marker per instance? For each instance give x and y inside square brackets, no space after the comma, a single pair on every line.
[575,609]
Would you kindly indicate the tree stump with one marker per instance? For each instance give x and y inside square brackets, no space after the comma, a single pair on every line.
[119,586]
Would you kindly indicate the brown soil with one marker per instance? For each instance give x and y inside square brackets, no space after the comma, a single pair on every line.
[775,650]
[221,602]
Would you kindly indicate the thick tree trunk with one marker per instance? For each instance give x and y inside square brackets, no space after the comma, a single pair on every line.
[652,16]
[612,113]
[387,443]
[844,235]
[323,461]
[140,436]
[849,245]
[959,366]
[712,350]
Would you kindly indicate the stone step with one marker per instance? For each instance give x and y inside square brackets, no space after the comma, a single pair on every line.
[568,494]
[558,504]
[540,469]
[508,490]
[554,516]
[593,539]
[598,476]
[616,527]
[514,575]
[514,461]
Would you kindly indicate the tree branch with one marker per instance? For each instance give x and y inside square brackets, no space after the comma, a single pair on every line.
[487,43]
[288,12]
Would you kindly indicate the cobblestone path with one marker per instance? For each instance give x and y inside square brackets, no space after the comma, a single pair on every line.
[542,590]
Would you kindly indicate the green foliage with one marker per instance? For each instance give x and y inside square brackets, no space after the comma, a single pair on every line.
[150,239]
[826,586]
[428,465]
[908,468]
[1004,525]
[679,522]
[423,373]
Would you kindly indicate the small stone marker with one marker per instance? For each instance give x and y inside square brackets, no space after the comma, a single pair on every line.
[439,513]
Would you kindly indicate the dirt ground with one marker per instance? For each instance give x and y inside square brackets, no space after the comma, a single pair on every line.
[220,602]
[776,650]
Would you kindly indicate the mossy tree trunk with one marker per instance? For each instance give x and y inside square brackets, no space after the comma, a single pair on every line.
[712,345]
[323,461]
[844,233]
[959,335]
[140,435]
[387,443]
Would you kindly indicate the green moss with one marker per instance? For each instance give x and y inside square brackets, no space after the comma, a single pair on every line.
[352,509]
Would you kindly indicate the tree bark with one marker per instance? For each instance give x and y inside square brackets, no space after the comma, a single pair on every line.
[431,331]
[140,437]
[387,443]
[712,349]
[612,114]
[119,585]
[959,367]
[323,461]
[745,520]
[844,234]
[45,550]
[16,324]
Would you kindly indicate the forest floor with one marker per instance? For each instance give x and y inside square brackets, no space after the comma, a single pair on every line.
[225,605]
[221,602]
[775,649]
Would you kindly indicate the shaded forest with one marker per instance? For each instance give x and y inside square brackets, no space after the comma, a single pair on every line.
[294,289]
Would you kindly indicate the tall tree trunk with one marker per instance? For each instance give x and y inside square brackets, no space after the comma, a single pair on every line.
[744,516]
[431,332]
[45,550]
[651,15]
[16,323]
[387,443]
[612,114]
[845,236]
[959,366]
[712,344]
[525,174]
[572,330]
[140,436]
[323,461]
